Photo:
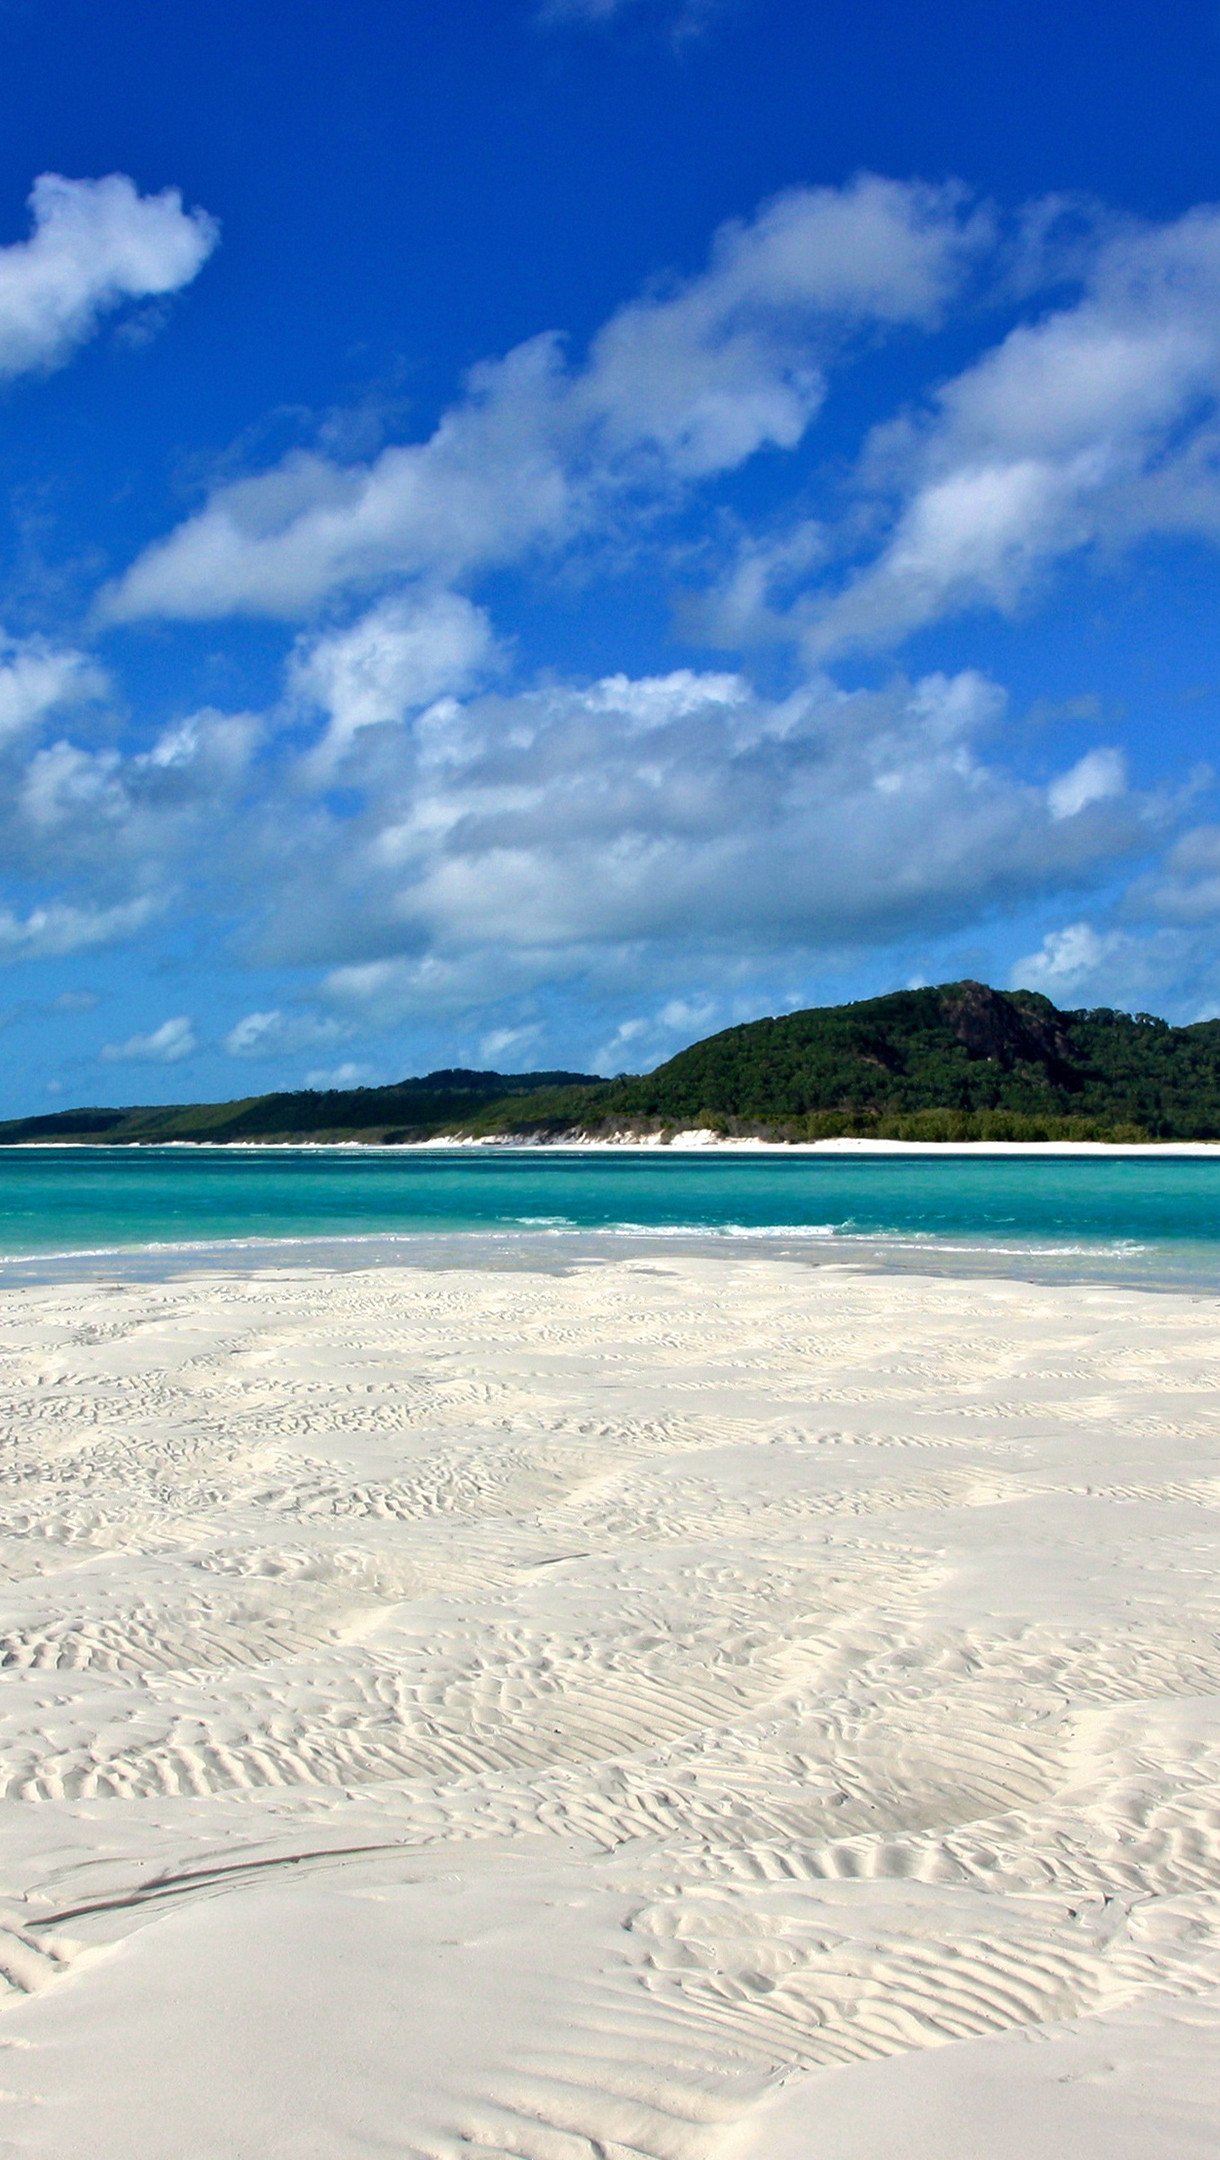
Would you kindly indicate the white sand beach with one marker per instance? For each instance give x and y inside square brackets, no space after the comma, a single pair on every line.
[710,1708]
[698,1138]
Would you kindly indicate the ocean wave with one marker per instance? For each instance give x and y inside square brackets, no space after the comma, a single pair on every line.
[560,1226]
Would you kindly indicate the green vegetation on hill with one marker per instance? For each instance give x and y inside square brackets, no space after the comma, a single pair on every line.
[410,1110]
[961,1062]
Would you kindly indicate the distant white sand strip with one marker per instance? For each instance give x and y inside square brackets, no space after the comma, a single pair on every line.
[704,1709]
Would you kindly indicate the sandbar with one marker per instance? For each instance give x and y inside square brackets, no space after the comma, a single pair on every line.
[701,1706]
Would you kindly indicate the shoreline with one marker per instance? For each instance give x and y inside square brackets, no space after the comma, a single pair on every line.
[692,1141]
[1183,1269]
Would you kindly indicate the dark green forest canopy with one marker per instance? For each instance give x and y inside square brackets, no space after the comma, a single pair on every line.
[960,1048]
[958,1062]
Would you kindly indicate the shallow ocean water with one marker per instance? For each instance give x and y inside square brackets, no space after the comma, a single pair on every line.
[1144,1218]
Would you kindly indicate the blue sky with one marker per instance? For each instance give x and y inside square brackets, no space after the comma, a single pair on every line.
[534,532]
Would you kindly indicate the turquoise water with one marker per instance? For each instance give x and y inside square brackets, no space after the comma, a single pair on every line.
[1152,1217]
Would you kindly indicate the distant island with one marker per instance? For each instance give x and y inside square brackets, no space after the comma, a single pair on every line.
[959,1062]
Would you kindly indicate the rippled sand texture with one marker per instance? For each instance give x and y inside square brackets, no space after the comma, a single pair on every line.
[717,1707]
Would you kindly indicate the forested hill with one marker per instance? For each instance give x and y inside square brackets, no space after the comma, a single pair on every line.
[410,1110]
[957,1062]
[960,1062]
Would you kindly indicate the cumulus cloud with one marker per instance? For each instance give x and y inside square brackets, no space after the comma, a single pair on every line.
[111,812]
[38,678]
[1096,777]
[623,1047]
[1065,960]
[1087,425]
[688,381]
[436,843]
[733,360]
[65,785]
[166,1045]
[641,810]
[107,840]
[399,657]
[640,827]
[484,488]
[1170,969]
[687,1016]
[94,244]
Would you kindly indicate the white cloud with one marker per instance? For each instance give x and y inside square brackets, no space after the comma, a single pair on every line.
[734,360]
[107,840]
[501,1041]
[642,833]
[638,829]
[103,810]
[819,817]
[638,1044]
[95,244]
[50,932]
[376,993]
[1096,424]
[280,1034]
[1170,969]
[621,1052]
[1186,886]
[486,487]
[747,604]
[206,750]
[167,1045]
[687,1016]
[38,679]
[63,785]
[1064,961]
[1097,777]
[348,1075]
[400,656]
[1092,425]
[686,382]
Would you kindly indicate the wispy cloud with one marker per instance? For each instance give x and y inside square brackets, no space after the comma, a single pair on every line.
[60,927]
[513,1043]
[1098,423]
[348,1075]
[682,19]
[687,382]
[275,1033]
[166,1045]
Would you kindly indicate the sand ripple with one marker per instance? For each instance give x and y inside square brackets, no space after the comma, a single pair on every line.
[502,1714]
